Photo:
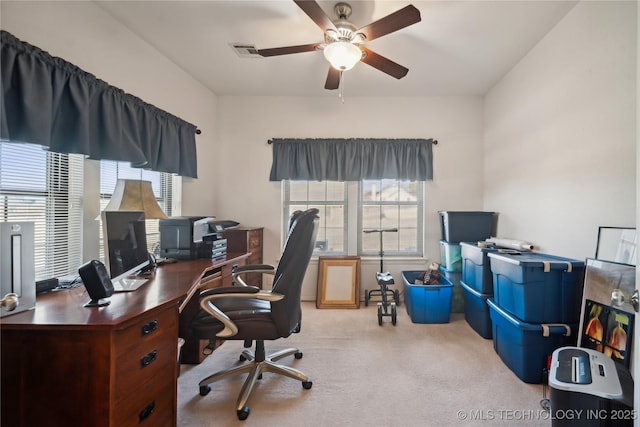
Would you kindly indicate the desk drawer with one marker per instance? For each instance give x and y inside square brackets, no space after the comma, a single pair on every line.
[151,404]
[255,241]
[148,329]
[135,369]
[142,355]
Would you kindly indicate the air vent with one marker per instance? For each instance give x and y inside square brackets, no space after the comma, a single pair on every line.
[245,50]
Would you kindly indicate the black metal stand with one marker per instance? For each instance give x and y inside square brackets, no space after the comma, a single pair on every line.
[384,279]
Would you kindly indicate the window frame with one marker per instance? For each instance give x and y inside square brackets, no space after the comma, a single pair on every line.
[59,185]
[353,235]
[289,206]
[390,237]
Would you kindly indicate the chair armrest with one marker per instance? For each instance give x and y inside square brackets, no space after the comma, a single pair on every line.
[208,297]
[253,268]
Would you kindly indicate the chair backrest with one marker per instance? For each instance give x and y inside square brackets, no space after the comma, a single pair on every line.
[291,269]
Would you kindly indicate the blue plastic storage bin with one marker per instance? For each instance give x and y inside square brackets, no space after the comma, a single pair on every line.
[476,311]
[466,226]
[538,288]
[450,256]
[427,303]
[476,268]
[525,347]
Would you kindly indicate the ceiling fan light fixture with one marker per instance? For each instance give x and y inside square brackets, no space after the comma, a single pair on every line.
[342,55]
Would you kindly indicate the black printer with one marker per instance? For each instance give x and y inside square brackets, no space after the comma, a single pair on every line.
[193,237]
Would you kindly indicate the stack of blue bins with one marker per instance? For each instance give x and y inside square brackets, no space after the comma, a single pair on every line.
[457,227]
[535,309]
[477,286]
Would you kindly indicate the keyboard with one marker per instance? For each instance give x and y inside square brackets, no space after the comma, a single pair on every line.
[127,284]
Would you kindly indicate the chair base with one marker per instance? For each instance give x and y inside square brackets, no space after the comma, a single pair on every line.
[257,364]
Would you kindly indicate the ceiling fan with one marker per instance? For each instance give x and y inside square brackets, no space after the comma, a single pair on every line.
[343,41]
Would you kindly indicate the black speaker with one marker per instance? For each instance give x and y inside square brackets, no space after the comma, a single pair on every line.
[97,282]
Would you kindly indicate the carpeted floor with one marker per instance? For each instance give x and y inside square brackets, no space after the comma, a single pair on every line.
[366,375]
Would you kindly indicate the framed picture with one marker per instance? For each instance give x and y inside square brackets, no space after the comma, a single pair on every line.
[617,244]
[607,327]
[338,282]
[608,330]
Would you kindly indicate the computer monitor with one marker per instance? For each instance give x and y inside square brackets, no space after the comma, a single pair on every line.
[125,243]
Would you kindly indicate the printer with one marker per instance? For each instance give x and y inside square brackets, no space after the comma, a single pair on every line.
[192,237]
[587,388]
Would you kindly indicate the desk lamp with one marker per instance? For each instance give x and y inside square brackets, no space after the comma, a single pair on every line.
[135,195]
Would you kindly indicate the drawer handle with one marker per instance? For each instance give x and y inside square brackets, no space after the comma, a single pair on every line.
[148,358]
[149,327]
[148,410]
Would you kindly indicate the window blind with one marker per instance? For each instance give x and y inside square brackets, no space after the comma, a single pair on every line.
[45,188]
[163,189]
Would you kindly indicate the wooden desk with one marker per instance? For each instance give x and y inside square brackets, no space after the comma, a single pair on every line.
[64,364]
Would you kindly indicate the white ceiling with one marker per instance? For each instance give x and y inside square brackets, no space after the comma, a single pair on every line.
[459,47]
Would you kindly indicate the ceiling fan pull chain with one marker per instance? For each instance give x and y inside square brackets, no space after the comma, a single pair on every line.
[341,85]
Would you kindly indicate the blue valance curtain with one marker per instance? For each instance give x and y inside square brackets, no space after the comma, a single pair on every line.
[48,101]
[352,159]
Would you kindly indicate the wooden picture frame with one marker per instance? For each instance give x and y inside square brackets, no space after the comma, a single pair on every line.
[338,282]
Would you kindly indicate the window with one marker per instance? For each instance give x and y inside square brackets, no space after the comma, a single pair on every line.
[331,200]
[385,204]
[348,208]
[45,188]
[162,184]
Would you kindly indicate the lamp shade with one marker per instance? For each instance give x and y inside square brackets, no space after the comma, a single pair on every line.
[135,195]
[342,55]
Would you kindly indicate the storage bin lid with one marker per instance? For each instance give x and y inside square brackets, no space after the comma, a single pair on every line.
[536,259]
[466,212]
[474,245]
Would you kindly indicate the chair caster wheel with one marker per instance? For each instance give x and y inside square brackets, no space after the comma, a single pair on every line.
[298,355]
[243,413]
[306,385]
[243,358]
[204,390]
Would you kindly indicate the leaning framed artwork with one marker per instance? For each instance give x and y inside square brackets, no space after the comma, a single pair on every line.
[608,309]
[338,282]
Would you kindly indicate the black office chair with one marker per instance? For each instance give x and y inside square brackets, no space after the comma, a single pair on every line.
[248,313]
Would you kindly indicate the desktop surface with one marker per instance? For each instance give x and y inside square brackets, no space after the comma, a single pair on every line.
[169,284]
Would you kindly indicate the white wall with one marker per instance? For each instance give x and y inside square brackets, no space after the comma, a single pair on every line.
[243,161]
[561,140]
[87,36]
[559,133]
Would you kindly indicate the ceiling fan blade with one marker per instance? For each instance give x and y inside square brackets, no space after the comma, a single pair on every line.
[289,49]
[313,10]
[383,64]
[333,79]
[399,19]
